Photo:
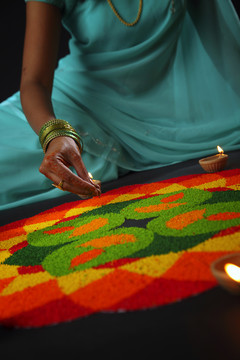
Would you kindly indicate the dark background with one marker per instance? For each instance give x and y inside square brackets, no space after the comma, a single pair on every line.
[204,327]
[12,29]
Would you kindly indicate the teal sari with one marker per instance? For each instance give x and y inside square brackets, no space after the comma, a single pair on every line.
[161,92]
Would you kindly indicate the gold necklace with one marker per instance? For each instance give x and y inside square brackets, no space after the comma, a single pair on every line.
[121,19]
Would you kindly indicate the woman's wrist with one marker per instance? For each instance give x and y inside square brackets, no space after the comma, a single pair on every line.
[56,128]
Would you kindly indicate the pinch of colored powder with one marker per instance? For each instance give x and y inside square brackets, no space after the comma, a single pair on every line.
[91,226]
[181,221]
[85,257]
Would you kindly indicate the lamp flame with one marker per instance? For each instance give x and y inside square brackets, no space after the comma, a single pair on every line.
[220,150]
[233,271]
[90,175]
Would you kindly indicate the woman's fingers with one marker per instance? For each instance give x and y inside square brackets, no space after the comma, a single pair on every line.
[73,157]
[61,154]
[78,188]
[81,170]
[57,171]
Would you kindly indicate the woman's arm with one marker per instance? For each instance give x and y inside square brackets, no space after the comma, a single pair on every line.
[43,26]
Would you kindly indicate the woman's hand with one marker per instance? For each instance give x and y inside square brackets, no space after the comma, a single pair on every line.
[63,153]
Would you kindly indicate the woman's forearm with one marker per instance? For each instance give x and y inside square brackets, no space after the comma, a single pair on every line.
[41,44]
[36,104]
[43,27]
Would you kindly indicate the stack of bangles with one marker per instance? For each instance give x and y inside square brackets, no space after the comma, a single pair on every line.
[55,128]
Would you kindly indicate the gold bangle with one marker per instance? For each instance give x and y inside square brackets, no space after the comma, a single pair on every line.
[51,128]
[57,133]
[55,128]
[49,123]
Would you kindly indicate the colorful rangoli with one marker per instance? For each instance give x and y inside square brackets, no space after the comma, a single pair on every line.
[135,247]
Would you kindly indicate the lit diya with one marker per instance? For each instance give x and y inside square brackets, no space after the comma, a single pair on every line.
[97,182]
[214,163]
[227,272]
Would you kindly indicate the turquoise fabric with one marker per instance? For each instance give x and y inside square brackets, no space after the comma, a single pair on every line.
[161,92]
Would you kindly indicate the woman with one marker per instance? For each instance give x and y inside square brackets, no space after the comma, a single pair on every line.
[146,84]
